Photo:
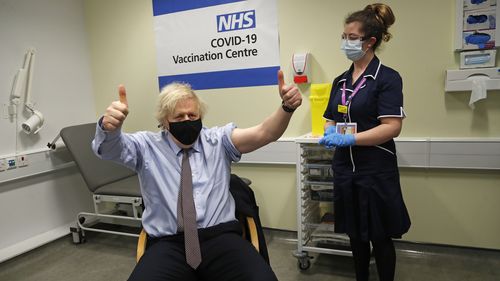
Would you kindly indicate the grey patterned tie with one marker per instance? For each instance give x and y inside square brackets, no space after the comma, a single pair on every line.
[186,214]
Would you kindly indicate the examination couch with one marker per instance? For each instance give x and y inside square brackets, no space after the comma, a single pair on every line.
[115,189]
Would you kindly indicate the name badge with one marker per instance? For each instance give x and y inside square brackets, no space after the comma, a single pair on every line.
[346,128]
[342,108]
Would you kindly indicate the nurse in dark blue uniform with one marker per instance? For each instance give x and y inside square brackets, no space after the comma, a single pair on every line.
[364,114]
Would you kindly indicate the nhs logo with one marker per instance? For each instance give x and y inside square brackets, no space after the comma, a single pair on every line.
[235,21]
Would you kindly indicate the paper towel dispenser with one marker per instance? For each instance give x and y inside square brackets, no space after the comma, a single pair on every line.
[463,80]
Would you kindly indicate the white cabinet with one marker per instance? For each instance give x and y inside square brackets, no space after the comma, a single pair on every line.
[315,223]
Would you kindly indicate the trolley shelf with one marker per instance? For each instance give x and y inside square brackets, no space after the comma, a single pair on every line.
[322,250]
[315,204]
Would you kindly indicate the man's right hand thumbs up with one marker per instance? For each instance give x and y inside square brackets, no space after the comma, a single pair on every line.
[116,112]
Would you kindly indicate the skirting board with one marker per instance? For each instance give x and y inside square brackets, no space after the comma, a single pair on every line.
[34,242]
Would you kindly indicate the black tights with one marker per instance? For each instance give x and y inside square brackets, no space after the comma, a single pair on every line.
[385,258]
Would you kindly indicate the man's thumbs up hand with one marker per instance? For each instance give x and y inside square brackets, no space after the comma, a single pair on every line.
[289,93]
[116,112]
[123,94]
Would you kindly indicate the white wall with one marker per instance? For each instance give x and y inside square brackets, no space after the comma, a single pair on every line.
[40,209]
[61,86]
[37,209]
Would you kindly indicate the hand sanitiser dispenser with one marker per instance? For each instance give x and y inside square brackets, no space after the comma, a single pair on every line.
[300,65]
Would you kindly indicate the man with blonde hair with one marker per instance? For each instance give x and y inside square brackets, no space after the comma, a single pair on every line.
[184,172]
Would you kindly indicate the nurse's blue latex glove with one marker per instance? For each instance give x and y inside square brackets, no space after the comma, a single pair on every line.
[331,129]
[337,140]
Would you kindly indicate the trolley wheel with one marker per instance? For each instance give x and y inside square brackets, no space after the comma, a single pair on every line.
[304,263]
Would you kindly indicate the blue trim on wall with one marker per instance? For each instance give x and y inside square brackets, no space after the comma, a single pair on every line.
[162,7]
[263,76]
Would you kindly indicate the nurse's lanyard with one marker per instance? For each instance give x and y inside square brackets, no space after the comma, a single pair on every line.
[348,101]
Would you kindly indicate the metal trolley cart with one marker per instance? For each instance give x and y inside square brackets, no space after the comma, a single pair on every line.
[315,204]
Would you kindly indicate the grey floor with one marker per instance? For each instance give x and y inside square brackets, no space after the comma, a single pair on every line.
[109,257]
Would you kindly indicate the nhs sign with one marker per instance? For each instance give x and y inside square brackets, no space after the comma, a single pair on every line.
[235,21]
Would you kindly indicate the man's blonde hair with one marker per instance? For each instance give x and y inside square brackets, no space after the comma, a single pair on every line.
[170,95]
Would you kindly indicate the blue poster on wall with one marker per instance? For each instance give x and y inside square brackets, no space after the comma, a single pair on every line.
[218,43]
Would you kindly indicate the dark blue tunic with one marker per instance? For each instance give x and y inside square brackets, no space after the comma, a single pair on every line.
[368,203]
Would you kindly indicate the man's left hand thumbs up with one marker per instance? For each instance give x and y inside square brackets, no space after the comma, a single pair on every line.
[290,95]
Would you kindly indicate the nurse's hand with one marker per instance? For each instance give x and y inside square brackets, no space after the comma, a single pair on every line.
[330,130]
[289,93]
[116,112]
[337,140]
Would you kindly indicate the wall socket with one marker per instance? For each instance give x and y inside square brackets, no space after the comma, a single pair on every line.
[11,163]
[22,161]
[3,165]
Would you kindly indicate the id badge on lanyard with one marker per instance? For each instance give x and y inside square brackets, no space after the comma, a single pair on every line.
[351,127]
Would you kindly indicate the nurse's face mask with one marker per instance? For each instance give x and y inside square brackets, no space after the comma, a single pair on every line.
[352,47]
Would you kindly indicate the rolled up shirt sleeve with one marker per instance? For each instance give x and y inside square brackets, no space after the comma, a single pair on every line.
[227,143]
[117,146]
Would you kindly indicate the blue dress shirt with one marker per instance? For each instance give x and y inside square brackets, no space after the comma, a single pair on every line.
[157,160]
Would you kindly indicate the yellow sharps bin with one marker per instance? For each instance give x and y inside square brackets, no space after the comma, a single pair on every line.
[320,94]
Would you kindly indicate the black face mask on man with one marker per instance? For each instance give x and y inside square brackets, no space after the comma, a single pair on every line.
[186,131]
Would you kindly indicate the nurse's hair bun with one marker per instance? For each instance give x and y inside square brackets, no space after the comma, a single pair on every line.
[375,21]
[384,16]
